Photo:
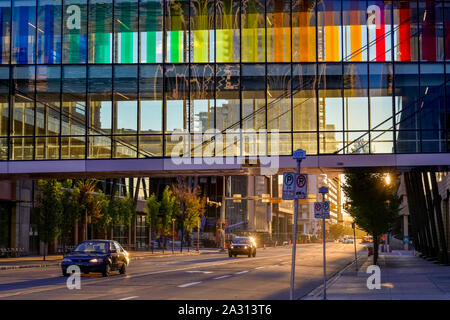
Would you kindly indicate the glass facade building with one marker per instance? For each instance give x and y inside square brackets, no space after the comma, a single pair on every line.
[99,79]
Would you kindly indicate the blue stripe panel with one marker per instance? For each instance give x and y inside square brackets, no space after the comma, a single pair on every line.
[49,33]
[22,45]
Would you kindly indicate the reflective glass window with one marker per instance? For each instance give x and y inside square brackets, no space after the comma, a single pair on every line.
[329,33]
[253,97]
[202,97]
[379,30]
[177,27]
[5,30]
[73,147]
[48,87]
[125,107]
[431,30]
[23,101]
[356,102]
[227,31]
[278,25]
[227,97]
[432,90]
[380,84]
[330,97]
[4,101]
[151,28]
[304,97]
[99,98]
[47,148]
[100,31]
[354,30]
[303,31]
[253,42]
[406,96]
[202,30]
[49,31]
[406,31]
[75,31]
[126,31]
[151,98]
[177,97]
[73,115]
[279,97]
[23,32]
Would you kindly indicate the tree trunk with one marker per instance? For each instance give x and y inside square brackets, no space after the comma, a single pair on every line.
[375,249]
[75,233]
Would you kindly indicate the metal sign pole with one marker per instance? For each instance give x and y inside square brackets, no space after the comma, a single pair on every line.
[324,256]
[323,191]
[298,155]
[294,238]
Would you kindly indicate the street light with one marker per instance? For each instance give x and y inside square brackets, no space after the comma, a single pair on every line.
[173,234]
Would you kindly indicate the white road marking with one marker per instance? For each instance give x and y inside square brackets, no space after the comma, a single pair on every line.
[259,268]
[198,271]
[222,277]
[241,272]
[129,298]
[189,284]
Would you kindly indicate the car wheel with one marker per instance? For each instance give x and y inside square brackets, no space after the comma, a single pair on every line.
[107,270]
[250,254]
[123,269]
[229,254]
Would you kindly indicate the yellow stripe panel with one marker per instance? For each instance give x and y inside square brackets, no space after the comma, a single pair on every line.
[356,42]
[331,43]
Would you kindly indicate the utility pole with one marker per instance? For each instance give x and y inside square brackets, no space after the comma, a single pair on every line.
[298,155]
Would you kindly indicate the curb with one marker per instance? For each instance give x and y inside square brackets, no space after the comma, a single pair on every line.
[317,292]
[45,265]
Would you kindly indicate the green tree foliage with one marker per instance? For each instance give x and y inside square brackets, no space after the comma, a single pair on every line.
[71,208]
[336,231]
[195,209]
[50,209]
[373,204]
[151,210]
[169,209]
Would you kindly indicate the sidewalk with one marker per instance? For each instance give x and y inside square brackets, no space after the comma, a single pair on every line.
[52,260]
[403,277]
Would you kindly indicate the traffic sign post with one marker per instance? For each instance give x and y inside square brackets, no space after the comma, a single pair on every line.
[325,212]
[298,155]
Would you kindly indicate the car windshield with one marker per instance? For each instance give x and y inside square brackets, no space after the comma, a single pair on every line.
[93,247]
[241,240]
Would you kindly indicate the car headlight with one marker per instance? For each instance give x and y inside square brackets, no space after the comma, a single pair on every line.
[231,247]
[95,260]
[245,247]
[67,260]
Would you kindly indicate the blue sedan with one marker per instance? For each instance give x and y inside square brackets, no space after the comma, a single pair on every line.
[101,256]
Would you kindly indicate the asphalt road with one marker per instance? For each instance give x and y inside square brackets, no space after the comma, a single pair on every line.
[202,277]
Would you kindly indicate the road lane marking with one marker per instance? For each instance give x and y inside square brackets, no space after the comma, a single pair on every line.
[222,277]
[129,298]
[198,271]
[241,272]
[129,276]
[189,284]
[259,268]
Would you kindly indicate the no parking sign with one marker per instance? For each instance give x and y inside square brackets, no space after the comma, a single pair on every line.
[301,186]
[322,210]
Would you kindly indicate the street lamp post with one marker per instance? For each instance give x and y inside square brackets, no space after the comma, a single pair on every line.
[173,234]
[298,155]
[354,241]
[323,191]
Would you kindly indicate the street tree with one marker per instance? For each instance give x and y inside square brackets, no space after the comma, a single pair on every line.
[90,206]
[169,209]
[373,204]
[71,210]
[151,210]
[195,207]
[49,211]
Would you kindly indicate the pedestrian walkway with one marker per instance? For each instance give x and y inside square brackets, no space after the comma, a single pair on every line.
[404,276]
[52,260]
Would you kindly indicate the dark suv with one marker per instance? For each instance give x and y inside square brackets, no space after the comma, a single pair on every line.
[242,245]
